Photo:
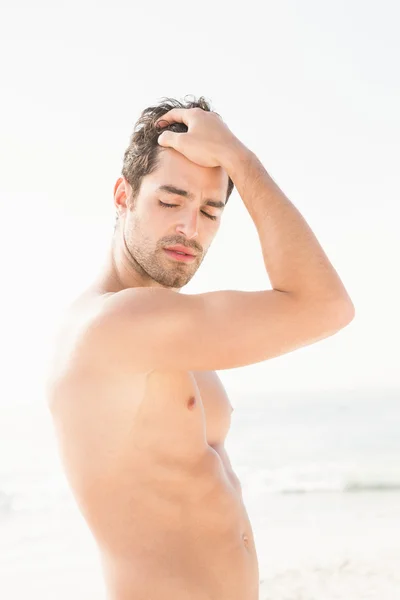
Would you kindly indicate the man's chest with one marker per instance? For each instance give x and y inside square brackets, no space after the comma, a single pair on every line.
[217,407]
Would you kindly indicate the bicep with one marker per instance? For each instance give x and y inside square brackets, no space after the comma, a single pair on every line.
[160,329]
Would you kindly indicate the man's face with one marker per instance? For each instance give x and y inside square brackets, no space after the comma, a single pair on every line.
[192,222]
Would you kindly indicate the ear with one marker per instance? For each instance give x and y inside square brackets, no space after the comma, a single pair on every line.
[122,191]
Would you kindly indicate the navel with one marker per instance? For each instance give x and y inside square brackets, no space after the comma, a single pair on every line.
[191,402]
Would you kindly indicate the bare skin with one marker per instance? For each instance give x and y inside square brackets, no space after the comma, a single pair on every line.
[140,413]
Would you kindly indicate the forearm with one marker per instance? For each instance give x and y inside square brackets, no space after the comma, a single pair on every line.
[294,259]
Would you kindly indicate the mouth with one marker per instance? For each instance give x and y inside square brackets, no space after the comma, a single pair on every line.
[179,255]
[181,249]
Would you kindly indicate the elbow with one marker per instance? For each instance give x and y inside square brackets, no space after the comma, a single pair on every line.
[341,312]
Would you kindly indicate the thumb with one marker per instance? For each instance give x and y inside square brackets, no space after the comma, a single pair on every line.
[169,139]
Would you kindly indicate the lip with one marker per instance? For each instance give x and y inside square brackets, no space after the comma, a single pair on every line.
[180,248]
[180,257]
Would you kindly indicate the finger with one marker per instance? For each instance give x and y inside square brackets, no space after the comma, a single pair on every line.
[169,139]
[175,115]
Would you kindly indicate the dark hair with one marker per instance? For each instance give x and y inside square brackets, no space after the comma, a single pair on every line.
[142,155]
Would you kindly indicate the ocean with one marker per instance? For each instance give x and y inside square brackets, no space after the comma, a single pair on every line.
[321,483]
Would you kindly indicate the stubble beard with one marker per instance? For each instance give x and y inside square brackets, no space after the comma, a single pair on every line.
[153,264]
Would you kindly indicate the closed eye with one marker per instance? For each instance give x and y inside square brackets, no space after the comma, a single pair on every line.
[164,205]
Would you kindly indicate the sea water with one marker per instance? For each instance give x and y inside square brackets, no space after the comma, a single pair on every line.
[321,482]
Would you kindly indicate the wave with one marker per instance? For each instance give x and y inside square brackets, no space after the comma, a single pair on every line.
[26,496]
[372,487]
[311,479]
[23,496]
[345,489]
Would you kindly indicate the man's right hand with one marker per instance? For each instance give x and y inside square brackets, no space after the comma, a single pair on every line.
[208,140]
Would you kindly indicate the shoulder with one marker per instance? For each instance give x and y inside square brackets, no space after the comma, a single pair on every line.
[73,343]
[114,326]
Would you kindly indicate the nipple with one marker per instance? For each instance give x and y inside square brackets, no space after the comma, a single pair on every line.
[191,402]
[245,539]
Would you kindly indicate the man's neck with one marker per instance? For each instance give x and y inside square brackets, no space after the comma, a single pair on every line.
[117,273]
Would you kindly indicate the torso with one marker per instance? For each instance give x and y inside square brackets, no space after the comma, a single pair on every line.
[144,455]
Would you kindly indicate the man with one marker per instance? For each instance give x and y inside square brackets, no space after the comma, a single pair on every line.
[140,413]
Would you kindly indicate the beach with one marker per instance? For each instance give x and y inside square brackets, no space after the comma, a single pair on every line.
[310,546]
[330,546]
[320,483]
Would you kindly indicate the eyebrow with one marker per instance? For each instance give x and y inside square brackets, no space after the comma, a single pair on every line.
[171,189]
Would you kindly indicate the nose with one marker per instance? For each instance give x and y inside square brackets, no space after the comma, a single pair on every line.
[188,227]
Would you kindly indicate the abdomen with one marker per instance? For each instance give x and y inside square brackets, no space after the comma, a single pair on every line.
[195,542]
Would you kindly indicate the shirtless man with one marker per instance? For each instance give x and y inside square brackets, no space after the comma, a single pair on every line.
[140,413]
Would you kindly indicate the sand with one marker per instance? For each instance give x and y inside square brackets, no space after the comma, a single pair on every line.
[310,547]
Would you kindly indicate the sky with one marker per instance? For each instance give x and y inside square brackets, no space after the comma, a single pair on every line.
[312,88]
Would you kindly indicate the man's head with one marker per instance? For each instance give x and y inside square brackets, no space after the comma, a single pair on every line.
[153,176]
